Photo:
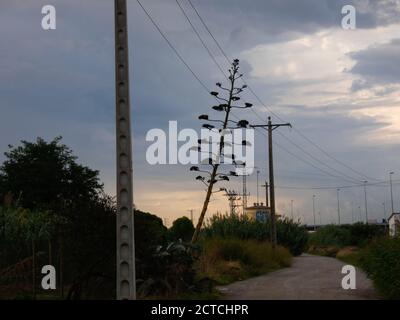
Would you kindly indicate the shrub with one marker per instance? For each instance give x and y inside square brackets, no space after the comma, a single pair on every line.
[361,234]
[381,261]
[171,271]
[289,234]
[149,234]
[358,234]
[182,229]
[292,235]
[331,235]
[226,260]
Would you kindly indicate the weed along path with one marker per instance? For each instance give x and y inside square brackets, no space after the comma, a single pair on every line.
[310,277]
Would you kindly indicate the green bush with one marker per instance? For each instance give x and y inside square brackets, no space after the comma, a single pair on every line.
[358,234]
[330,235]
[171,271]
[381,261]
[290,234]
[182,229]
[230,259]
[149,234]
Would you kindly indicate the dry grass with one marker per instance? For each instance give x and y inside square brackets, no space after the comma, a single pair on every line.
[228,260]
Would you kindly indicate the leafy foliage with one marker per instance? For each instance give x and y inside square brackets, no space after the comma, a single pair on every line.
[182,229]
[149,234]
[45,175]
[358,234]
[381,261]
[64,202]
[290,234]
[171,271]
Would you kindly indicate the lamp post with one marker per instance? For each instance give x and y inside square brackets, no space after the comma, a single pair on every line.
[366,204]
[258,172]
[384,211]
[391,190]
[313,208]
[338,205]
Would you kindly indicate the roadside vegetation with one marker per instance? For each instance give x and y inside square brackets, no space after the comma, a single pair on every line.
[291,235]
[228,260]
[364,246]
[230,249]
[54,211]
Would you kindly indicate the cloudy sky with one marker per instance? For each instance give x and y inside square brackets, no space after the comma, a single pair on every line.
[339,88]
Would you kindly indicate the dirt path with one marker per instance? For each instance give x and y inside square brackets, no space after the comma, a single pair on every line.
[309,277]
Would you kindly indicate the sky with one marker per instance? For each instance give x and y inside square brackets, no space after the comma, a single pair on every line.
[338,88]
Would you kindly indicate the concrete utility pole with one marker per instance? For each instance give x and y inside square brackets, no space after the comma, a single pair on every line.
[338,205]
[313,209]
[266,193]
[271,127]
[126,272]
[391,190]
[366,204]
[244,197]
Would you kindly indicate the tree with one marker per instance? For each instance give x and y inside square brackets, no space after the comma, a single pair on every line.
[228,103]
[182,229]
[45,175]
[149,233]
[80,218]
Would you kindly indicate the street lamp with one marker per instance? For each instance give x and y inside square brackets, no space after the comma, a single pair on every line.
[338,205]
[384,211]
[313,208]
[366,204]
[391,189]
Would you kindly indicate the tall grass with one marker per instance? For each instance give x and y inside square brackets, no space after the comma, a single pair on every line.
[290,234]
[358,234]
[230,259]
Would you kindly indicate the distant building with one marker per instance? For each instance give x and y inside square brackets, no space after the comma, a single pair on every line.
[394,224]
[258,212]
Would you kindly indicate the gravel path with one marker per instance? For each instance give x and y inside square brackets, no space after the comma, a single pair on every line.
[309,278]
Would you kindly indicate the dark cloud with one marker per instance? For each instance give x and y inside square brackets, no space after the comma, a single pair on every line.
[377,65]
[62,82]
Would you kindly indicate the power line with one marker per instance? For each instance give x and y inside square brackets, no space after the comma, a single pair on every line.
[316,159]
[310,163]
[200,38]
[172,46]
[209,32]
[301,158]
[336,187]
[207,90]
[270,110]
[219,67]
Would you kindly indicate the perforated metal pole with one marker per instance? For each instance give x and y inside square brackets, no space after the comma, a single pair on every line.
[126,279]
